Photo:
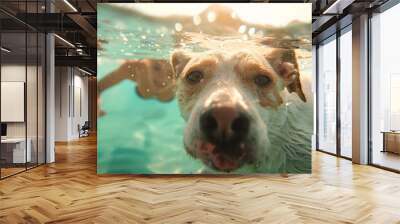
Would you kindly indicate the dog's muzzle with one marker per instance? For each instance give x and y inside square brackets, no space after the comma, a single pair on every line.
[225,128]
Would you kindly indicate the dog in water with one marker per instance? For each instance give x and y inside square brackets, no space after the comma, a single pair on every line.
[245,111]
[239,116]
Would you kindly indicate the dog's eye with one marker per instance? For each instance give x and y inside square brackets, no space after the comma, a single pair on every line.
[194,77]
[262,80]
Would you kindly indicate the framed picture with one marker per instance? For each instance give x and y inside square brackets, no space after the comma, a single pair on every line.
[196,88]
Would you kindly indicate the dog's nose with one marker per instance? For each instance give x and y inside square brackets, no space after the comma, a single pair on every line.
[224,125]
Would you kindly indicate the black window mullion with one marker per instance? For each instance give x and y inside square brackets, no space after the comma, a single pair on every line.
[338,74]
[317,97]
[26,87]
[369,90]
[0,96]
[37,90]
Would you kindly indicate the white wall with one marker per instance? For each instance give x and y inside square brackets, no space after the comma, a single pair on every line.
[16,73]
[81,104]
[360,89]
[33,127]
[62,81]
[50,94]
[71,94]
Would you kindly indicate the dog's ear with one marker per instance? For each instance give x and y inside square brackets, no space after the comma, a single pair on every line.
[179,59]
[284,62]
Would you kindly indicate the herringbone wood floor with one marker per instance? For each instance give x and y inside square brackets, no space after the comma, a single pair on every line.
[69,191]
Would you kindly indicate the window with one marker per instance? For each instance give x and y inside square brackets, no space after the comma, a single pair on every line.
[22,78]
[385,89]
[346,92]
[327,96]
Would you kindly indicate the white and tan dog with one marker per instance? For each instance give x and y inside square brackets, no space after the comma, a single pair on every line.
[237,110]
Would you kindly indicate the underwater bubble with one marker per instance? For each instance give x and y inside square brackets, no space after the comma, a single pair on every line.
[196,20]
[144,37]
[138,137]
[123,37]
[211,17]
[233,15]
[200,170]
[120,25]
[178,27]
[242,28]
[252,31]
[164,29]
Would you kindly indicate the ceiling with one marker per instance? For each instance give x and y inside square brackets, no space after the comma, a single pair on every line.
[74,22]
[331,15]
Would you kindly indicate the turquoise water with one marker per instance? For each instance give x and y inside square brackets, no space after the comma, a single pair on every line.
[136,135]
[140,136]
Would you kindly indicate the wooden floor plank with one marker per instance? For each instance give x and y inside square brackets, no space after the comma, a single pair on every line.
[70,191]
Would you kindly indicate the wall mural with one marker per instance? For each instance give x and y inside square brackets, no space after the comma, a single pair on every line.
[189,88]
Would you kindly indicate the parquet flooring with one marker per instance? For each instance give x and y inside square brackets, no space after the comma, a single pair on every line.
[10,171]
[70,191]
